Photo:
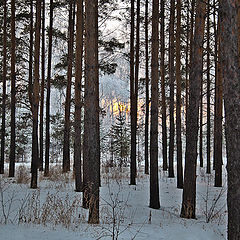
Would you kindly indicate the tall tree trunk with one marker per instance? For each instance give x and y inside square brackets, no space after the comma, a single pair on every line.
[179,98]
[154,184]
[4,76]
[187,61]
[162,71]
[42,89]
[91,147]
[13,93]
[30,61]
[171,80]
[190,50]
[218,121]
[66,142]
[147,90]
[78,97]
[47,143]
[189,188]
[201,126]
[132,102]
[35,97]
[208,91]
[231,75]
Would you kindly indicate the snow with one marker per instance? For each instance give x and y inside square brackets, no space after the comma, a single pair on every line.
[135,218]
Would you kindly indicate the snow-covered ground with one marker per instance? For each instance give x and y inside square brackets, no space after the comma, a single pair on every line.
[38,214]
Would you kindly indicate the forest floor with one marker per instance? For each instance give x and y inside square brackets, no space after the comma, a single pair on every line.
[54,211]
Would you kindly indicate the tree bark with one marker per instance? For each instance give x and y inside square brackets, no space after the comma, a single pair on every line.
[147,90]
[91,147]
[78,96]
[42,90]
[12,156]
[4,76]
[189,188]
[132,102]
[66,142]
[162,71]
[231,75]
[35,97]
[171,80]
[179,98]
[49,68]
[154,184]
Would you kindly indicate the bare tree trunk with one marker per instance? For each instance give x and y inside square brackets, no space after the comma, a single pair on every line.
[201,126]
[171,79]
[47,144]
[162,71]
[66,143]
[179,98]
[147,90]
[91,147]
[189,188]
[154,185]
[4,76]
[208,87]
[42,89]
[35,97]
[132,102]
[218,118]
[13,93]
[187,62]
[78,97]
[231,75]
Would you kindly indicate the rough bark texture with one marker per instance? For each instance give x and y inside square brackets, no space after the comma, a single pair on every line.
[13,93]
[147,91]
[189,188]
[154,184]
[132,101]
[179,98]
[66,140]
[47,143]
[231,83]
[162,71]
[78,97]
[208,88]
[171,80]
[218,120]
[42,90]
[4,75]
[35,97]
[91,148]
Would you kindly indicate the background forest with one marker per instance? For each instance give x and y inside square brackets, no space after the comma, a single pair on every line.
[99,94]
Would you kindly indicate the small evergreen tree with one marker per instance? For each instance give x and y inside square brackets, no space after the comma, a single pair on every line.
[120,140]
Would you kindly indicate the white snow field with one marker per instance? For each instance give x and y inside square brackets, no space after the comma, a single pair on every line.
[54,210]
